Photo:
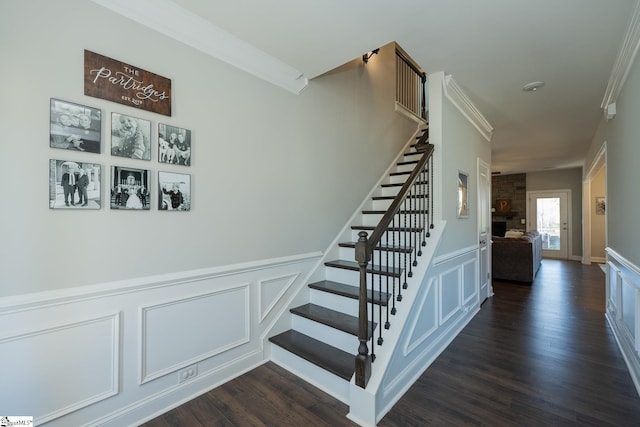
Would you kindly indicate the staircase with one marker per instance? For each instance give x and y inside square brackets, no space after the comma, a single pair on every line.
[324,340]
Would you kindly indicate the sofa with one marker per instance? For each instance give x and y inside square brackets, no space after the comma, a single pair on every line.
[516,258]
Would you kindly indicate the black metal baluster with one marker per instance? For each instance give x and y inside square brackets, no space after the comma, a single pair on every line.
[431,193]
[395,266]
[405,242]
[380,291]
[389,249]
[373,345]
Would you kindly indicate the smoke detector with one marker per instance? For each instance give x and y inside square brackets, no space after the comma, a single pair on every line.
[532,87]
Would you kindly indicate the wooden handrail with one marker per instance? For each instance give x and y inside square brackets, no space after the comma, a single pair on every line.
[382,226]
[364,248]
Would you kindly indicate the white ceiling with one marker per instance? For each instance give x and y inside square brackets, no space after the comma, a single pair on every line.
[491,47]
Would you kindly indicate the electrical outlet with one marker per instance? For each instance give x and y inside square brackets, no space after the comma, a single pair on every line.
[188,373]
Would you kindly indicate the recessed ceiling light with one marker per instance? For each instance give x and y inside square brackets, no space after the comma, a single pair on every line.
[532,87]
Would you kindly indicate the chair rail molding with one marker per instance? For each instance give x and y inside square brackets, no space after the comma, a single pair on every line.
[180,24]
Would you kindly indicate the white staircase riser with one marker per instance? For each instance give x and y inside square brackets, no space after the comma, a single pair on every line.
[339,339]
[397,179]
[389,191]
[353,277]
[383,258]
[401,238]
[324,380]
[371,219]
[405,168]
[339,303]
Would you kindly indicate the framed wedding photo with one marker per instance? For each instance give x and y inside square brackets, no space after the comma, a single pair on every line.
[174,191]
[74,185]
[75,127]
[130,188]
[130,137]
[463,195]
[174,145]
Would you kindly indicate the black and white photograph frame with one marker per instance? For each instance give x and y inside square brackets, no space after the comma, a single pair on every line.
[130,137]
[74,185]
[130,188]
[75,127]
[462,210]
[174,145]
[174,191]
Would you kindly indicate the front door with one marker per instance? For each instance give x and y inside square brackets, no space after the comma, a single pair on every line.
[549,211]
[484,213]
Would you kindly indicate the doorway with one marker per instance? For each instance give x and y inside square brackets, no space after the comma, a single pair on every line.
[549,212]
[484,237]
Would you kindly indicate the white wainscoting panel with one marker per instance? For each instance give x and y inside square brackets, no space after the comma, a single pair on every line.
[623,309]
[270,291]
[434,321]
[470,285]
[115,354]
[451,293]
[179,333]
[51,372]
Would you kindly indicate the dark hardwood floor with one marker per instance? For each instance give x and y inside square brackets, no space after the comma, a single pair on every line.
[535,355]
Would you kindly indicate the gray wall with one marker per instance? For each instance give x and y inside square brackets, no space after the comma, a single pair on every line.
[563,179]
[462,145]
[598,234]
[273,174]
[621,135]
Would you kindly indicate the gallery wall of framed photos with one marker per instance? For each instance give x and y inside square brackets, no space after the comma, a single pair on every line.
[76,180]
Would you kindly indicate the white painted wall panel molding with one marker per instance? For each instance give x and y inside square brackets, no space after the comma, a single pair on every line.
[49,373]
[623,309]
[452,256]
[426,324]
[470,284]
[182,332]
[271,291]
[450,293]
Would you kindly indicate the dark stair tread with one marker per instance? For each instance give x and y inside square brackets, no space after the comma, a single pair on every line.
[382,212]
[413,196]
[396,229]
[400,173]
[332,359]
[387,248]
[349,291]
[407,162]
[375,269]
[400,184]
[335,319]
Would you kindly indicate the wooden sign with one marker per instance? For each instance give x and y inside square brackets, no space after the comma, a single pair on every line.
[116,81]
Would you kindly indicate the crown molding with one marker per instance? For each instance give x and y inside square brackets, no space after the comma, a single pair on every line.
[625,59]
[175,22]
[456,95]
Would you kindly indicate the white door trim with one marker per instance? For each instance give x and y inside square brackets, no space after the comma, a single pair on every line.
[531,220]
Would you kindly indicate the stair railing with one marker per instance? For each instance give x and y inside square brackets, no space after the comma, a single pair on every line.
[411,84]
[400,234]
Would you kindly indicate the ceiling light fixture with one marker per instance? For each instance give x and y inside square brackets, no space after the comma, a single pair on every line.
[532,87]
[366,56]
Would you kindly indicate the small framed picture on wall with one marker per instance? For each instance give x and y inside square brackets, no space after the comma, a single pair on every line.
[75,127]
[130,188]
[174,145]
[174,191]
[74,185]
[130,137]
